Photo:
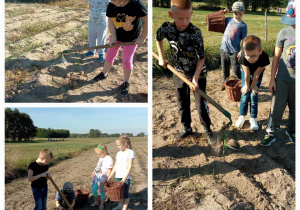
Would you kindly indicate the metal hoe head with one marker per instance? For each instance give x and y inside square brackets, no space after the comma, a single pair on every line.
[65,62]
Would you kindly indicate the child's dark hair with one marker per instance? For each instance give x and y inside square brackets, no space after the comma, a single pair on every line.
[124,138]
[252,42]
[181,4]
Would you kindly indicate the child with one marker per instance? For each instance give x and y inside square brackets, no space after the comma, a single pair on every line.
[235,32]
[122,167]
[125,24]
[69,194]
[100,174]
[38,176]
[253,60]
[97,27]
[283,86]
[187,52]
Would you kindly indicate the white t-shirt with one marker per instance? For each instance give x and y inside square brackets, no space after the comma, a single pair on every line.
[104,164]
[122,158]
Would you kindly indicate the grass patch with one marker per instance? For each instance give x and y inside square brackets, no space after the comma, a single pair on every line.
[18,49]
[18,12]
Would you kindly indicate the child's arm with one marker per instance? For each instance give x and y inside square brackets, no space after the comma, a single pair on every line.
[160,49]
[113,171]
[32,178]
[274,68]
[226,11]
[112,30]
[130,162]
[246,87]
[141,39]
[109,172]
[256,75]
[199,66]
[58,205]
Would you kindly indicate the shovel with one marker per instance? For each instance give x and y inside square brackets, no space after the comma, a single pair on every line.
[204,95]
[61,194]
[92,48]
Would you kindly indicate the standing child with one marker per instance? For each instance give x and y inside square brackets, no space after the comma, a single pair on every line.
[253,60]
[69,194]
[100,174]
[282,85]
[122,168]
[187,52]
[125,24]
[235,32]
[97,27]
[38,176]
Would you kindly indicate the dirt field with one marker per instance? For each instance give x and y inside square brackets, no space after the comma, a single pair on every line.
[78,170]
[190,174]
[36,34]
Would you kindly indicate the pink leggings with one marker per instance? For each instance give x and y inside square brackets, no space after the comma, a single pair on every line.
[127,55]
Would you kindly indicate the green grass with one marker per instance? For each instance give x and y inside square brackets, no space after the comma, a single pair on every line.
[212,41]
[19,11]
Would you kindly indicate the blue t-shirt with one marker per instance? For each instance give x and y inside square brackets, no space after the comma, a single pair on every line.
[69,198]
[234,33]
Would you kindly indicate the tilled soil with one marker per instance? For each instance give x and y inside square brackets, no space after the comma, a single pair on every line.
[34,70]
[78,171]
[190,174]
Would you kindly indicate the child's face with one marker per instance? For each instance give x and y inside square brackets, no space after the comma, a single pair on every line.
[121,146]
[238,15]
[100,153]
[252,55]
[181,17]
[45,161]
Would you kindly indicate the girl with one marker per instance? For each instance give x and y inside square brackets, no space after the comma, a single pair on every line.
[122,167]
[100,174]
[97,27]
[125,24]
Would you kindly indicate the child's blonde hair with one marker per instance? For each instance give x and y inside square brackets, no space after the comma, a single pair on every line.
[46,154]
[100,148]
[252,42]
[124,138]
[181,4]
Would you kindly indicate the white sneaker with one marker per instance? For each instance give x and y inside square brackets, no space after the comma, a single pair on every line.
[240,122]
[253,124]
[118,207]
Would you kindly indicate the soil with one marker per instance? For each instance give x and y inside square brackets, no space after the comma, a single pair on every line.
[40,75]
[190,174]
[78,171]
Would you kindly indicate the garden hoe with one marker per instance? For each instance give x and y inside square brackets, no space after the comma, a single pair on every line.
[223,132]
[61,194]
[92,48]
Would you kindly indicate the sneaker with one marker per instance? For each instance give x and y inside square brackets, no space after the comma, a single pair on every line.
[101,58]
[253,124]
[223,86]
[268,140]
[291,136]
[184,133]
[89,54]
[100,76]
[101,207]
[95,204]
[240,122]
[118,207]
[124,89]
[209,135]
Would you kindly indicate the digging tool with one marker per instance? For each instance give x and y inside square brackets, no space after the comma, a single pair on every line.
[92,48]
[61,194]
[204,95]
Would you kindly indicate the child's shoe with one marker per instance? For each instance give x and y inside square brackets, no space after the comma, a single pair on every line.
[268,140]
[100,76]
[118,207]
[101,58]
[89,54]
[240,122]
[291,135]
[222,87]
[95,204]
[209,136]
[124,89]
[101,207]
[253,124]
[184,133]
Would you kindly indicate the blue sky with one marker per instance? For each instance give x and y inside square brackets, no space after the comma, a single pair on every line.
[81,120]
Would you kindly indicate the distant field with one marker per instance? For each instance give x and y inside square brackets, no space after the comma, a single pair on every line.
[19,154]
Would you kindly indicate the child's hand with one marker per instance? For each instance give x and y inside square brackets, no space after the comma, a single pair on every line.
[245,90]
[140,41]
[226,11]
[162,62]
[112,41]
[195,82]
[255,90]
[43,174]
[272,86]
[239,55]
[49,174]
[93,174]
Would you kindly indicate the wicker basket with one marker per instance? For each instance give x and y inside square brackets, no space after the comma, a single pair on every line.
[216,21]
[115,190]
[82,194]
[233,89]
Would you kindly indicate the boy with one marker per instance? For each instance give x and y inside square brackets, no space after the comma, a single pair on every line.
[38,176]
[253,60]
[283,86]
[235,32]
[187,51]
[69,194]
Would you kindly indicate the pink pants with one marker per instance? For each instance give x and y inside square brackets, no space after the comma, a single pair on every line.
[127,55]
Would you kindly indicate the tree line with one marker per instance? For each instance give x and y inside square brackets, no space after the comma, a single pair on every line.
[95,133]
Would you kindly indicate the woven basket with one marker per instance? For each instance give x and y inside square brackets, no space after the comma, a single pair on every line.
[115,190]
[216,21]
[233,89]
[82,194]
